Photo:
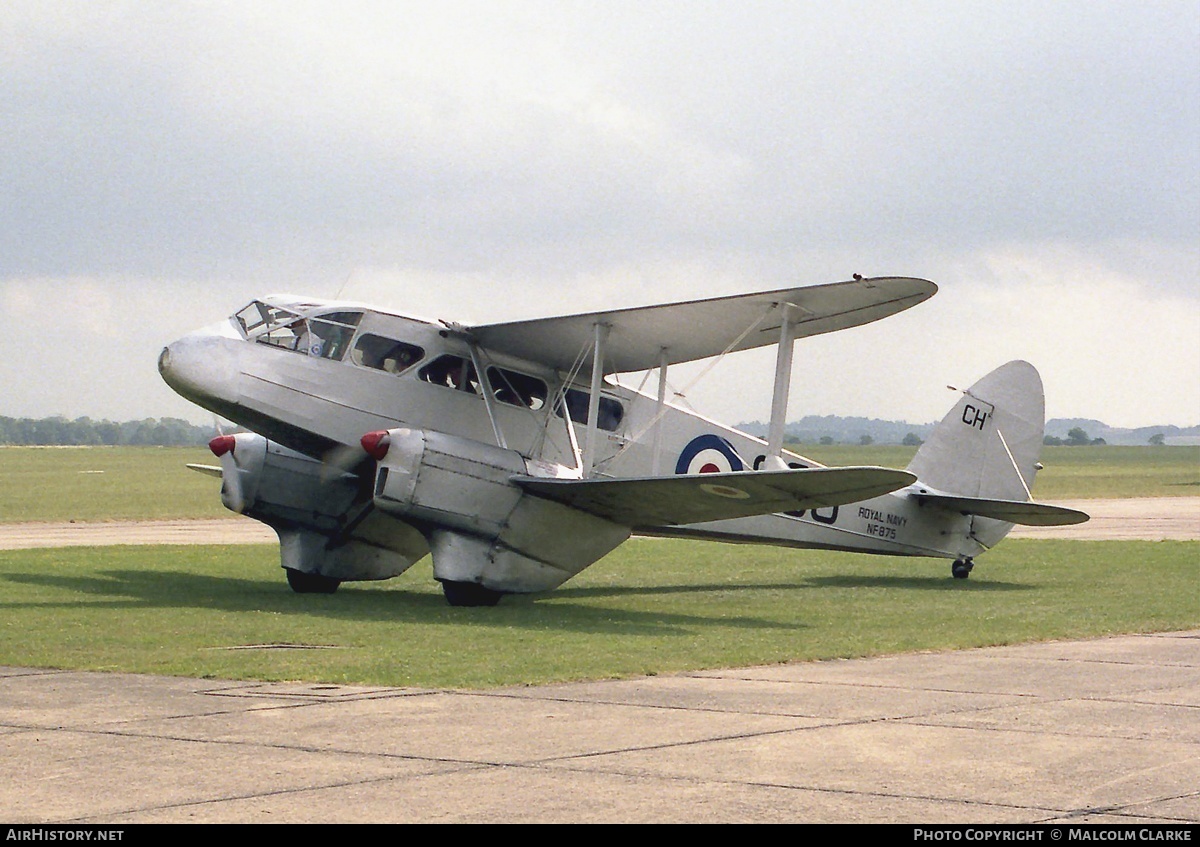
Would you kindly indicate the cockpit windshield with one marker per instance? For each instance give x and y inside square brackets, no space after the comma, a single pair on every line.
[325,336]
[259,314]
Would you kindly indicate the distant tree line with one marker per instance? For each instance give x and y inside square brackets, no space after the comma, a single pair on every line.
[59,431]
[1076,437]
[1073,432]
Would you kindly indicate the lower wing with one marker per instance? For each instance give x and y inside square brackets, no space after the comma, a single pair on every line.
[695,498]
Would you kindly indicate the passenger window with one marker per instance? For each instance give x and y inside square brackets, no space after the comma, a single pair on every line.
[610,415]
[385,354]
[517,389]
[452,372]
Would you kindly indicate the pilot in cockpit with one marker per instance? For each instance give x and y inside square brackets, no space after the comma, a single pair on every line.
[307,341]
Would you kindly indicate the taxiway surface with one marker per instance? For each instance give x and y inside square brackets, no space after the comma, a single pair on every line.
[1057,733]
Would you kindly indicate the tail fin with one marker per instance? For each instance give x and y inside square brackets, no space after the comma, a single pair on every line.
[982,458]
[989,443]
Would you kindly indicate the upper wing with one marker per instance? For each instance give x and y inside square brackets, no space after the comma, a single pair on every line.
[702,328]
[1024,512]
[667,500]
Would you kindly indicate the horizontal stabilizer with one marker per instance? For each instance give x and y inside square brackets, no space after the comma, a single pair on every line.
[696,498]
[211,470]
[1024,512]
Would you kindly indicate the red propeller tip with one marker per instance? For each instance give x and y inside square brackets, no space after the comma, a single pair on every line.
[376,444]
[222,444]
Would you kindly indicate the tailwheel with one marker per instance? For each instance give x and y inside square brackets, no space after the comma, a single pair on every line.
[469,594]
[311,583]
[961,568]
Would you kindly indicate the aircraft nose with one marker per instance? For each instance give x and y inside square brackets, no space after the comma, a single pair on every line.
[201,367]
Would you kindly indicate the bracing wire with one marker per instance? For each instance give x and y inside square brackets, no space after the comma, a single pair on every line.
[682,394]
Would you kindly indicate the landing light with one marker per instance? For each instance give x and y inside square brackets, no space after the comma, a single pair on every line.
[376,444]
[222,444]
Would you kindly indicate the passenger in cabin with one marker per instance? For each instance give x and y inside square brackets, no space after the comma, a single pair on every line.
[400,359]
[505,393]
[454,373]
[385,354]
[450,372]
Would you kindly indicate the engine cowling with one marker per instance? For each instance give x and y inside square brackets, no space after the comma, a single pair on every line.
[481,527]
[448,482]
[320,511]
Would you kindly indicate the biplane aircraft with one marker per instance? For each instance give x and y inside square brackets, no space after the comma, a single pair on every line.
[510,454]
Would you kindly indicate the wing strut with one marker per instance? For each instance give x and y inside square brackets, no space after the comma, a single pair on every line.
[783,383]
[599,339]
[486,387]
[658,412]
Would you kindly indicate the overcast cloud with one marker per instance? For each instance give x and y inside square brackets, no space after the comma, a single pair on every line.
[163,163]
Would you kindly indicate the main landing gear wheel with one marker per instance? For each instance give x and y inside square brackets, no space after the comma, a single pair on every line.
[469,594]
[961,568]
[311,583]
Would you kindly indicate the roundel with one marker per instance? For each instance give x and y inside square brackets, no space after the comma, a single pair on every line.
[708,454]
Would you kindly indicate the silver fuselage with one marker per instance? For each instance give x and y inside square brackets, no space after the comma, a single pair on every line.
[314,404]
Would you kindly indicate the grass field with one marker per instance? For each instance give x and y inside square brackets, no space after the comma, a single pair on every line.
[132,483]
[653,606]
[106,483]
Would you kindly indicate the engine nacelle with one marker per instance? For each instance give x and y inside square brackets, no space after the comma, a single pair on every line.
[321,512]
[448,482]
[269,482]
[481,527]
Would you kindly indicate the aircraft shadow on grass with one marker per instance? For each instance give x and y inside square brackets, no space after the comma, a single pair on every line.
[139,589]
[134,589]
[921,583]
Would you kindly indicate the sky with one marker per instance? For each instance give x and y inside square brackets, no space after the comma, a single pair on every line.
[162,164]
